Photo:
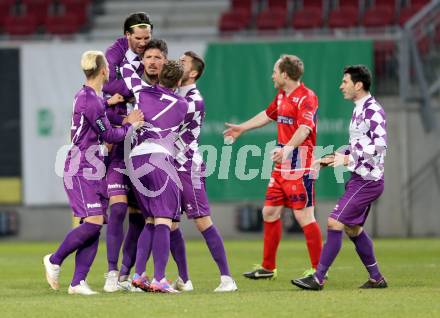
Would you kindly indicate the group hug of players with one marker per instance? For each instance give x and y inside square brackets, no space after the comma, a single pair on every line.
[135,131]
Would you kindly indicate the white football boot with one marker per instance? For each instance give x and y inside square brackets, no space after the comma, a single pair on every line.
[52,272]
[111,281]
[227,284]
[82,289]
[179,285]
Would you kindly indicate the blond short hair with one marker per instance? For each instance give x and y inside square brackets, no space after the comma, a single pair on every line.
[92,62]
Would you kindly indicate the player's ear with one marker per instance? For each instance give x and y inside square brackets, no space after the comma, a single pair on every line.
[358,86]
[193,74]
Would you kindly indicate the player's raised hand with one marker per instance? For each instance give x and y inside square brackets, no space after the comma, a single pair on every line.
[233,130]
[115,99]
[136,118]
[326,160]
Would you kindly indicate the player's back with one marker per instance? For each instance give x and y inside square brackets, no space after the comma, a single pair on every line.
[188,142]
[82,133]
[164,112]
[85,139]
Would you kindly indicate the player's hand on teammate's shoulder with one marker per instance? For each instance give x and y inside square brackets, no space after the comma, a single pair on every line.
[135,118]
[115,99]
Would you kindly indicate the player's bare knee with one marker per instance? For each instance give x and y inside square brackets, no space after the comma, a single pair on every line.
[149,220]
[132,210]
[203,223]
[304,216]
[332,224]
[121,198]
[96,219]
[175,226]
[271,213]
[163,221]
[353,231]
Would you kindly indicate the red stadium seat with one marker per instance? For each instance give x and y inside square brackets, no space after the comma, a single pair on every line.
[235,20]
[408,12]
[344,17]
[379,16]
[307,18]
[238,17]
[241,4]
[349,3]
[66,24]
[419,2]
[78,8]
[386,3]
[38,8]
[277,4]
[5,10]
[313,3]
[21,25]
[272,19]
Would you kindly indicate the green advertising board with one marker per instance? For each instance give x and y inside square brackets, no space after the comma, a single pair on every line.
[237,85]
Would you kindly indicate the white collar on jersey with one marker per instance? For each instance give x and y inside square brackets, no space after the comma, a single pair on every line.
[183,90]
[360,102]
[131,56]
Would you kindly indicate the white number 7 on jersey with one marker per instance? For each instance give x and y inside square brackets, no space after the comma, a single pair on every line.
[172,102]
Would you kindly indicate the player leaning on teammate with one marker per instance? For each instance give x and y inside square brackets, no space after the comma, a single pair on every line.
[85,187]
[291,184]
[190,167]
[137,35]
[365,159]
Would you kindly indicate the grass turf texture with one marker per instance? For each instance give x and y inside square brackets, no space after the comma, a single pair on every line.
[412,268]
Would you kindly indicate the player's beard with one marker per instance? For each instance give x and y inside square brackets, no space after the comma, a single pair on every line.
[152,78]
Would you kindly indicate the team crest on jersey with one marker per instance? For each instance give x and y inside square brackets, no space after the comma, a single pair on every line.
[295,99]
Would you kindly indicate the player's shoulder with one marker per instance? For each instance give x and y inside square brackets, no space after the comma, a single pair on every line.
[119,47]
[194,95]
[374,105]
[90,98]
[375,110]
[306,91]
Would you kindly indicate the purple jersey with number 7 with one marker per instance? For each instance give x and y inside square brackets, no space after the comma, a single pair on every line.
[164,111]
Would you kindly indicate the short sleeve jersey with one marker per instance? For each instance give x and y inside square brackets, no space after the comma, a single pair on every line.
[291,112]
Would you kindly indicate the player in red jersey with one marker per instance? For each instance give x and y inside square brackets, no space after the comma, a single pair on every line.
[291,184]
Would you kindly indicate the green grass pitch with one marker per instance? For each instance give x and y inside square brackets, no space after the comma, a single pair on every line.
[412,268]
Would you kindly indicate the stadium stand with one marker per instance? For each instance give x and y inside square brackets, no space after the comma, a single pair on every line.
[308,15]
[30,17]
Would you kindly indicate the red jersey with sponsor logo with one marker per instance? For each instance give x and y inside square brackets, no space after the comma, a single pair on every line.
[290,112]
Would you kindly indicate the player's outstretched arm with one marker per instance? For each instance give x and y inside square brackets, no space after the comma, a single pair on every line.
[234,130]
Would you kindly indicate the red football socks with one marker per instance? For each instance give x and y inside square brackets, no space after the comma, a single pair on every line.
[312,232]
[272,238]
